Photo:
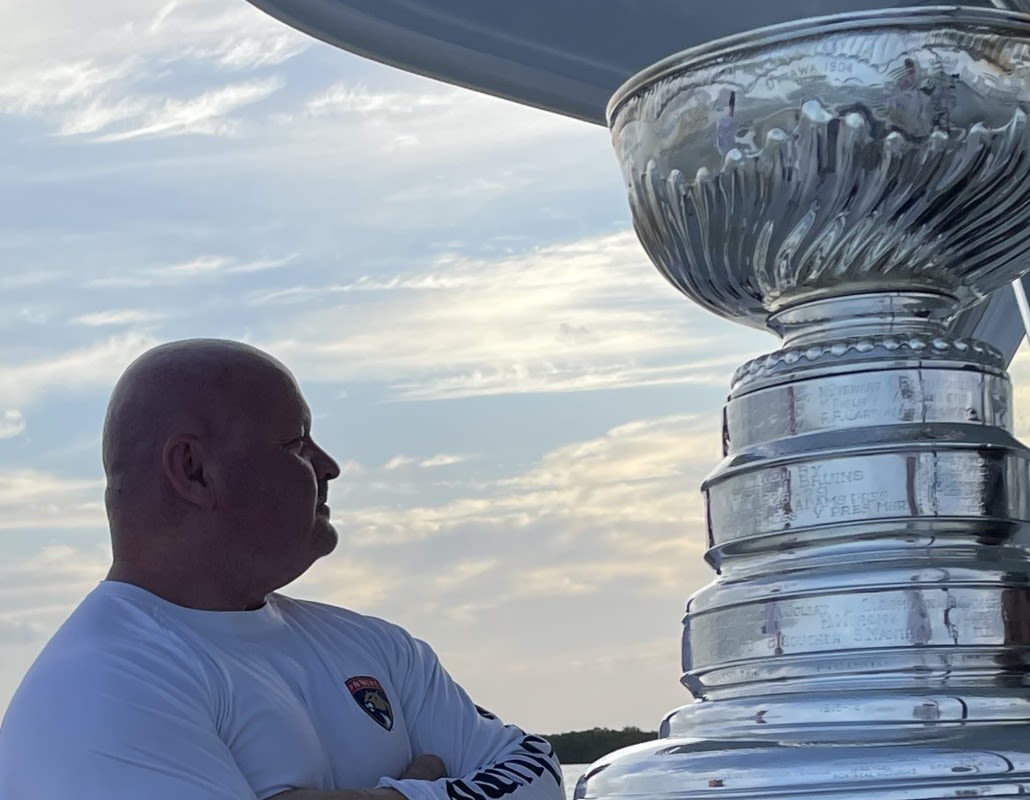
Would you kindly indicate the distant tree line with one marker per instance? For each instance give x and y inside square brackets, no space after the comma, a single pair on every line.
[583,747]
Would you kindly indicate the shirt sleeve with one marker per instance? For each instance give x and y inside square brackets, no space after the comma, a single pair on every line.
[113,729]
[485,759]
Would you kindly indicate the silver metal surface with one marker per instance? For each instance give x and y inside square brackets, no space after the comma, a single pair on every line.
[825,158]
[868,634]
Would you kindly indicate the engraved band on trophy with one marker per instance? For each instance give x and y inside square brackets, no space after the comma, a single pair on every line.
[850,183]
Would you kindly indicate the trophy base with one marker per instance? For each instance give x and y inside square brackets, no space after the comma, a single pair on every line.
[966,762]
[868,633]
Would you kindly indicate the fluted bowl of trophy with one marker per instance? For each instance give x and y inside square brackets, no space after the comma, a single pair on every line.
[850,183]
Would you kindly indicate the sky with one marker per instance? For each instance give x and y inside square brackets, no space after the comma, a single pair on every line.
[522,407]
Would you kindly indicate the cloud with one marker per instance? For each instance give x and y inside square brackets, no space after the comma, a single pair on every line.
[33,499]
[32,279]
[581,316]
[643,473]
[39,591]
[344,98]
[208,113]
[1019,372]
[442,460]
[27,375]
[464,571]
[87,70]
[232,36]
[12,423]
[117,318]
[205,268]
[363,582]
[14,632]
[57,86]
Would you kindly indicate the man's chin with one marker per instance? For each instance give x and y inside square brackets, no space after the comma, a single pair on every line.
[326,537]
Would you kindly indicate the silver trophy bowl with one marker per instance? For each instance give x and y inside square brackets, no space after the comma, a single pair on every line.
[828,157]
[851,183]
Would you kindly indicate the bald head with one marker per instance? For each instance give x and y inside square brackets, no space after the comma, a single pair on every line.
[196,387]
[216,491]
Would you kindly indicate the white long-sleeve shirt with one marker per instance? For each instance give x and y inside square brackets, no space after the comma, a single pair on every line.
[135,697]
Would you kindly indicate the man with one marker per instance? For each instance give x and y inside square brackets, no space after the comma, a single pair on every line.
[185,676]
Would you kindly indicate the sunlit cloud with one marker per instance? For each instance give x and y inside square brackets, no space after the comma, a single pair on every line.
[360,583]
[587,315]
[641,473]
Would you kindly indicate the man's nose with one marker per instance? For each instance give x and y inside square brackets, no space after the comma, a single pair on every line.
[327,466]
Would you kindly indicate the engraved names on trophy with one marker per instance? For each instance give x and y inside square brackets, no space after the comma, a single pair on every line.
[924,617]
[839,402]
[864,487]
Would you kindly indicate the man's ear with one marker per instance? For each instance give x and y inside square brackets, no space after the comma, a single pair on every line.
[186,467]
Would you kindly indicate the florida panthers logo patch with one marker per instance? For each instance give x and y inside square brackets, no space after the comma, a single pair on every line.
[368,693]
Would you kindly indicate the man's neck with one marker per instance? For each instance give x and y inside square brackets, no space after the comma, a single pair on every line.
[187,590]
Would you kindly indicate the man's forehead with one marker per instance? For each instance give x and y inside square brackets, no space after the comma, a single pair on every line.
[262,389]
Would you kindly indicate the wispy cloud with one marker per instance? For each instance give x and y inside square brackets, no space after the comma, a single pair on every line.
[204,267]
[100,68]
[230,36]
[208,113]
[12,423]
[442,460]
[52,86]
[25,375]
[343,98]
[117,318]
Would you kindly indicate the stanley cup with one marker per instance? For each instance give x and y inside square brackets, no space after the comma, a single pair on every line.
[850,183]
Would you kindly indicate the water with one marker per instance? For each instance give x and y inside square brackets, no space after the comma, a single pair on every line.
[570,774]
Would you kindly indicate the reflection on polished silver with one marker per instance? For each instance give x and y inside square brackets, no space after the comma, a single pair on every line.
[850,183]
[863,153]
